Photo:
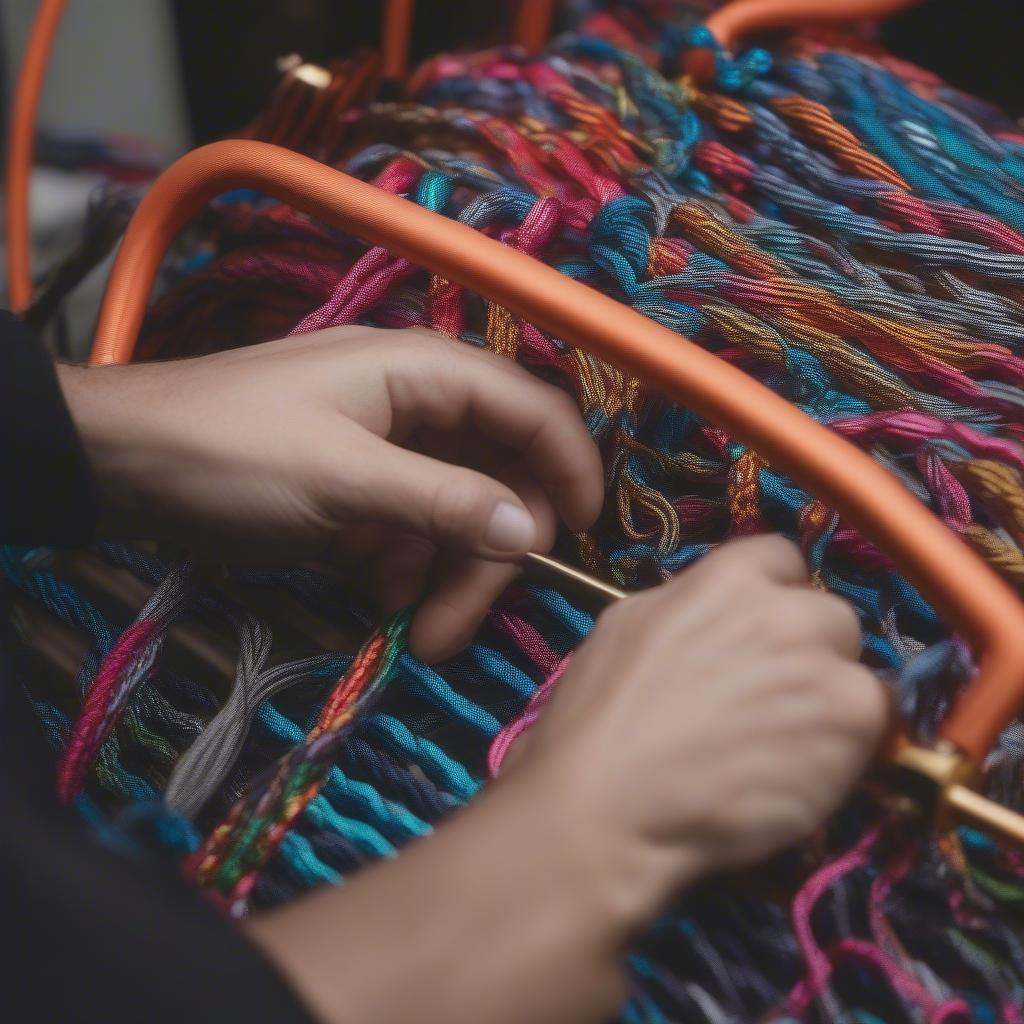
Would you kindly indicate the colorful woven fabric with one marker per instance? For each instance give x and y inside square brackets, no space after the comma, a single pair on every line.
[842,226]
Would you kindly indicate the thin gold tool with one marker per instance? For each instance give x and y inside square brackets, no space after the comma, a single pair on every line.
[592,593]
[932,781]
[971,808]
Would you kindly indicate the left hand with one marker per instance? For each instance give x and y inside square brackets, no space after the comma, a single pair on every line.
[429,465]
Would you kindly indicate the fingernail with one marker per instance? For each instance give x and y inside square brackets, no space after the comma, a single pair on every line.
[510,528]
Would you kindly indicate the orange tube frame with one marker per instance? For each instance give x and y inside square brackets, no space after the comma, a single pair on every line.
[20,144]
[532,27]
[960,585]
[733,22]
[395,33]
[730,24]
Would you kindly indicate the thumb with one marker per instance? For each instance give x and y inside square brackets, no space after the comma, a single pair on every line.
[455,507]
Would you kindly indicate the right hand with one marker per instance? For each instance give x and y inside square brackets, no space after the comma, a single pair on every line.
[703,725]
[707,723]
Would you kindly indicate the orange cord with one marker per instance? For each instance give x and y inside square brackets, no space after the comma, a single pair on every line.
[532,28]
[20,144]
[736,21]
[395,33]
[960,585]
[742,18]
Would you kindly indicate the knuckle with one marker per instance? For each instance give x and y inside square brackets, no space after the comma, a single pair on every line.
[796,814]
[622,614]
[457,505]
[725,570]
[855,703]
[813,608]
[816,619]
[834,606]
[642,619]
[842,615]
[339,334]
[421,339]
[798,610]
[727,555]
[759,557]
[774,548]
[780,555]
[779,615]
[866,702]
[664,602]
[563,405]
[802,685]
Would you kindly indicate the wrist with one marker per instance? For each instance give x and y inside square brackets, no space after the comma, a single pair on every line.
[509,888]
[571,856]
[96,401]
[623,879]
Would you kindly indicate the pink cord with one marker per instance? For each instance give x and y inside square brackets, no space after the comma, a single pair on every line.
[86,736]
[820,965]
[502,743]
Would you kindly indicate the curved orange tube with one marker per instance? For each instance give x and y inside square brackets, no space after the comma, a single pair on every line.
[734,22]
[395,33]
[532,27]
[20,144]
[531,31]
[958,582]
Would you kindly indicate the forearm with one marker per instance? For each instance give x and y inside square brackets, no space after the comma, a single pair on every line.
[507,913]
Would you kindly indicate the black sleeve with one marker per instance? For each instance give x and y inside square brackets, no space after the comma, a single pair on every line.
[94,935]
[47,495]
[90,933]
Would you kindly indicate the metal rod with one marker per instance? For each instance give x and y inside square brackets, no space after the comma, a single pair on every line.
[199,641]
[972,808]
[545,569]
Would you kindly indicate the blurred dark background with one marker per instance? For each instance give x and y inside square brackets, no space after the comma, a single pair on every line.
[228,48]
[182,72]
[177,73]
[975,44]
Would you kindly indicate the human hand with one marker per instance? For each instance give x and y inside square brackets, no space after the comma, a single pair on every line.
[705,724]
[426,465]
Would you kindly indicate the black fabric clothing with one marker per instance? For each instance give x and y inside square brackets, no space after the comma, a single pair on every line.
[90,934]
[47,495]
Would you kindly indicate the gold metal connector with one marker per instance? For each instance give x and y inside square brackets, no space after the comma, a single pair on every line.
[937,784]
[969,807]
